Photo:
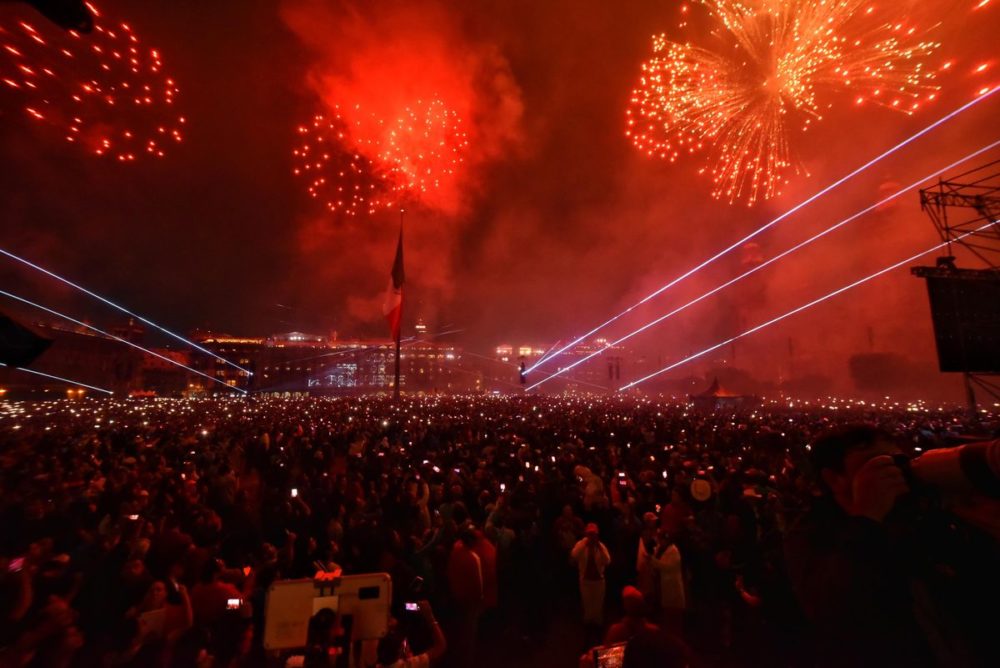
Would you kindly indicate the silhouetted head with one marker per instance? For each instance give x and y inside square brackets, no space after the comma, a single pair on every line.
[841,452]
[67,14]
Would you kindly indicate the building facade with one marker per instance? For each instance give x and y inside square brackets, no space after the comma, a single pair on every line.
[312,364]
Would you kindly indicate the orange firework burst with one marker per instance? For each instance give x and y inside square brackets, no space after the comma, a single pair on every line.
[103,90]
[364,164]
[739,102]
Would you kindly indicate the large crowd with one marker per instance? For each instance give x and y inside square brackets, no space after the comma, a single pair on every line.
[535,529]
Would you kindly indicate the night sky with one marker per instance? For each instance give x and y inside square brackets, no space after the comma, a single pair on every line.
[554,223]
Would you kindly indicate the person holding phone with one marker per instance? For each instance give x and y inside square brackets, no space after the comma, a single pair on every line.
[165,610]
[212,598]
[394,650]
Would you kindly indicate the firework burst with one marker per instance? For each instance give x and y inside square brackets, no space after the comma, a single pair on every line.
[364,164]
[341,176]
[102,91]
[739,101]
[424,146]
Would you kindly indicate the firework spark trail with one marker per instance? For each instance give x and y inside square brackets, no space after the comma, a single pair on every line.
[102,91]
[97,330]
[739,103]
[807,305]
[103,300]
[59,378]
[367,164]
[775,221]
[779,256]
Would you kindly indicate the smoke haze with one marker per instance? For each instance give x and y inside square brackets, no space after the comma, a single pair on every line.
[552,223]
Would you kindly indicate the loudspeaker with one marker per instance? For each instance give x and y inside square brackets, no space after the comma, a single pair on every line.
[965,310]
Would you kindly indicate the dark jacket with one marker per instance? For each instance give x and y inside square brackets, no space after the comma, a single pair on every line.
[855,590]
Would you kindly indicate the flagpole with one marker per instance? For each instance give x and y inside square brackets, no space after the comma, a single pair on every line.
[395,386]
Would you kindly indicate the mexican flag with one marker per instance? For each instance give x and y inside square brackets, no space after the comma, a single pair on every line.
[392,309]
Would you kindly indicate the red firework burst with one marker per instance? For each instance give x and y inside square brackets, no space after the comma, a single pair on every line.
[102,91]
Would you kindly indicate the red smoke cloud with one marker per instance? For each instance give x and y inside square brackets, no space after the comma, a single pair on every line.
[526,248]
[436,104]
[415,91]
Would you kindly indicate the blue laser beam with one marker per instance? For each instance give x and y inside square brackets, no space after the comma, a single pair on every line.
[104,300]
[116,338]
[59,378]
[545,355]
[515,366]
[944,119]
[808,305]
[779,256]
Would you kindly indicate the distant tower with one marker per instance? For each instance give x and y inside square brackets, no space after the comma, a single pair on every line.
[130,331]
[421,328]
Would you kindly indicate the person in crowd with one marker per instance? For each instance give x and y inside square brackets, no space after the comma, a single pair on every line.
[211,598]
[165,611]
[655,649]
[487,554]
[646,578]
[634,621]
[591,558]
[112,509]
[568,529]
[887,578]
[666,563]
[467,586]
[594,496]
[394,650]
[676,515]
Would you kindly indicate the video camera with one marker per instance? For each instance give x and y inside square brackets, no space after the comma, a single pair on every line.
[974,467]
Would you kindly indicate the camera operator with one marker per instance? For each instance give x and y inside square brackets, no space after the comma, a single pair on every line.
[886,574]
